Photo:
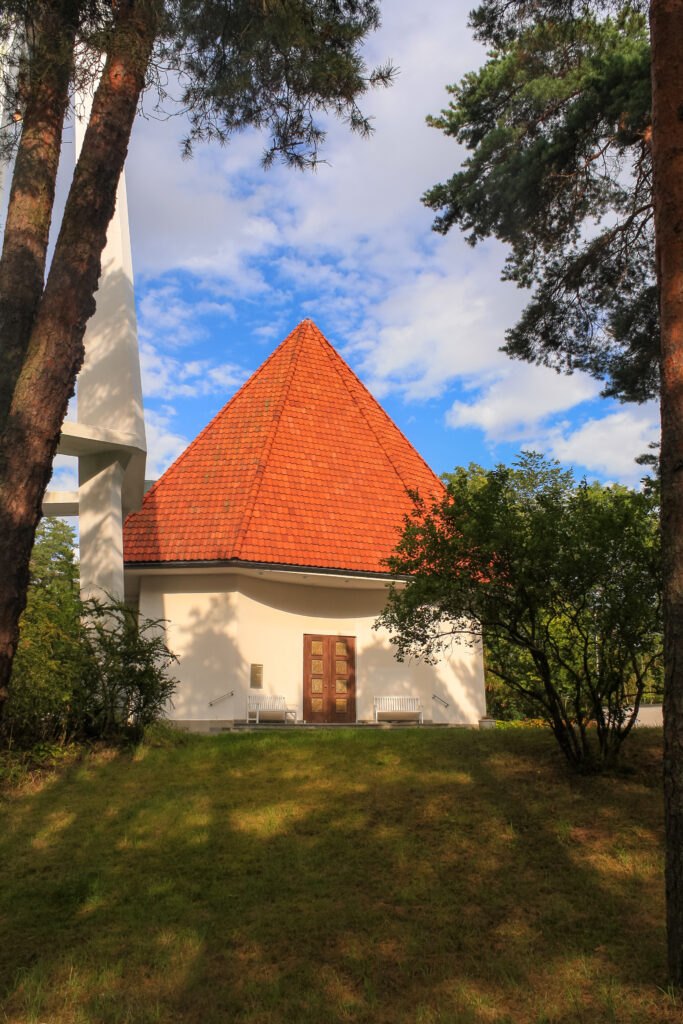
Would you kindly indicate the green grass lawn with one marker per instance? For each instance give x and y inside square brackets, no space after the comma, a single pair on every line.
[361,876]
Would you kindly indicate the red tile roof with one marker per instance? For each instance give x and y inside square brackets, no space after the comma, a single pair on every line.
[301,467]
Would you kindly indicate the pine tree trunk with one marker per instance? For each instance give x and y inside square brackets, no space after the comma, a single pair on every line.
[55,350]
[29,213]
[666,24]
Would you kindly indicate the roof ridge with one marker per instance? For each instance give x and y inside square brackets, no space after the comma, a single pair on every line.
[250,505]
[248,382]
[335,357]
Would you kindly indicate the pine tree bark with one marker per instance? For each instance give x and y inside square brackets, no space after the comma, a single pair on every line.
[666,25]
[29,213]
[55,350]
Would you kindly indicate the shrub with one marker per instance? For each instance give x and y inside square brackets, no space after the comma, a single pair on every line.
[560,579]
[125,686]
[88,670]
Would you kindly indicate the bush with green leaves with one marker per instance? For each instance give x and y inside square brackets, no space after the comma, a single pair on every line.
[125,685]
[562,579]
[82,670]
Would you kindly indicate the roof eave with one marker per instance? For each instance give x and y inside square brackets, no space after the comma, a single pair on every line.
[235,563]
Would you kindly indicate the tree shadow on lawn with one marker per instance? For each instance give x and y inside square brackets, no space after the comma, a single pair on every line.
[375,877]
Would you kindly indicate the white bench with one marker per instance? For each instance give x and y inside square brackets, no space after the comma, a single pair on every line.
[398,705]
[269,704]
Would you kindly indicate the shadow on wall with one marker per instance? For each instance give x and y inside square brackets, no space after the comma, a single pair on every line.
[109,388]
[458,681]
[311,601]
[210,661]
[109,396]
[203,632]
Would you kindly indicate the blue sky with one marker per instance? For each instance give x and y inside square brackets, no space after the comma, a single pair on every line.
[229,258]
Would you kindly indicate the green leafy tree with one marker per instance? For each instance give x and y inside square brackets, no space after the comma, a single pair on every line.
[92,670]
[576,162]
[50,658]
[562,578]
[275,65]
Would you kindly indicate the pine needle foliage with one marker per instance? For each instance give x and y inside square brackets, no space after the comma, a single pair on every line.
[557,123]
[226,65]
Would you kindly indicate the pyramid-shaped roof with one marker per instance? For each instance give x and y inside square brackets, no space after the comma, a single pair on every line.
[302,467]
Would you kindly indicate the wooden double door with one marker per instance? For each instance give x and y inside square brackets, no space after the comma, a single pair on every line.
[329,678]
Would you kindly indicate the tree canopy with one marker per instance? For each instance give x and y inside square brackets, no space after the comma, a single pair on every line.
[561,578]
[234,64]
[558,125]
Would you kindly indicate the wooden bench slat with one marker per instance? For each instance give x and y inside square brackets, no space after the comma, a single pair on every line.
[269,703]
[398,704]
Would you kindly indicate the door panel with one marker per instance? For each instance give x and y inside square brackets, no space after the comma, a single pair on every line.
[329,678]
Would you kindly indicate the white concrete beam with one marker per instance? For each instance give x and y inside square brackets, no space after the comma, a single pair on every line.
[60,503]
[89,439]
[85,439]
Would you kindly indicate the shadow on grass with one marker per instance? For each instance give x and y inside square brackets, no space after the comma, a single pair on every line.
[398,876]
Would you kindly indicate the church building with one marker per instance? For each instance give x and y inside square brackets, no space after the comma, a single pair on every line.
[264,546]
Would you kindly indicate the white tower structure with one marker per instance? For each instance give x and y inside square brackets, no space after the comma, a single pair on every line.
[6,105]
[108,436]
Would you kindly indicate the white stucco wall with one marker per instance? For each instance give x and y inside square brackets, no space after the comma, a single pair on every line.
[219,624]
[650,715]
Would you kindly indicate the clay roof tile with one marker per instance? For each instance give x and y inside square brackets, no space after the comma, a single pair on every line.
[301,467]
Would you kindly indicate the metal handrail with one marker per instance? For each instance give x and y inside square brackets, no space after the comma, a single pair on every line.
[219,699]
[445,703]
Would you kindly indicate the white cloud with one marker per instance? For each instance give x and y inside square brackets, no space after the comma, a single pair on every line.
[165,315]
[371,190]
[64,474]
[163,445]
[606,446]
[520,398]
[435,327]
[168,321]
[166,377]
[267,332]
[190,215]
[162,313]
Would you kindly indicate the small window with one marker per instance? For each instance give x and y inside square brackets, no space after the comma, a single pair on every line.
[256,680]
